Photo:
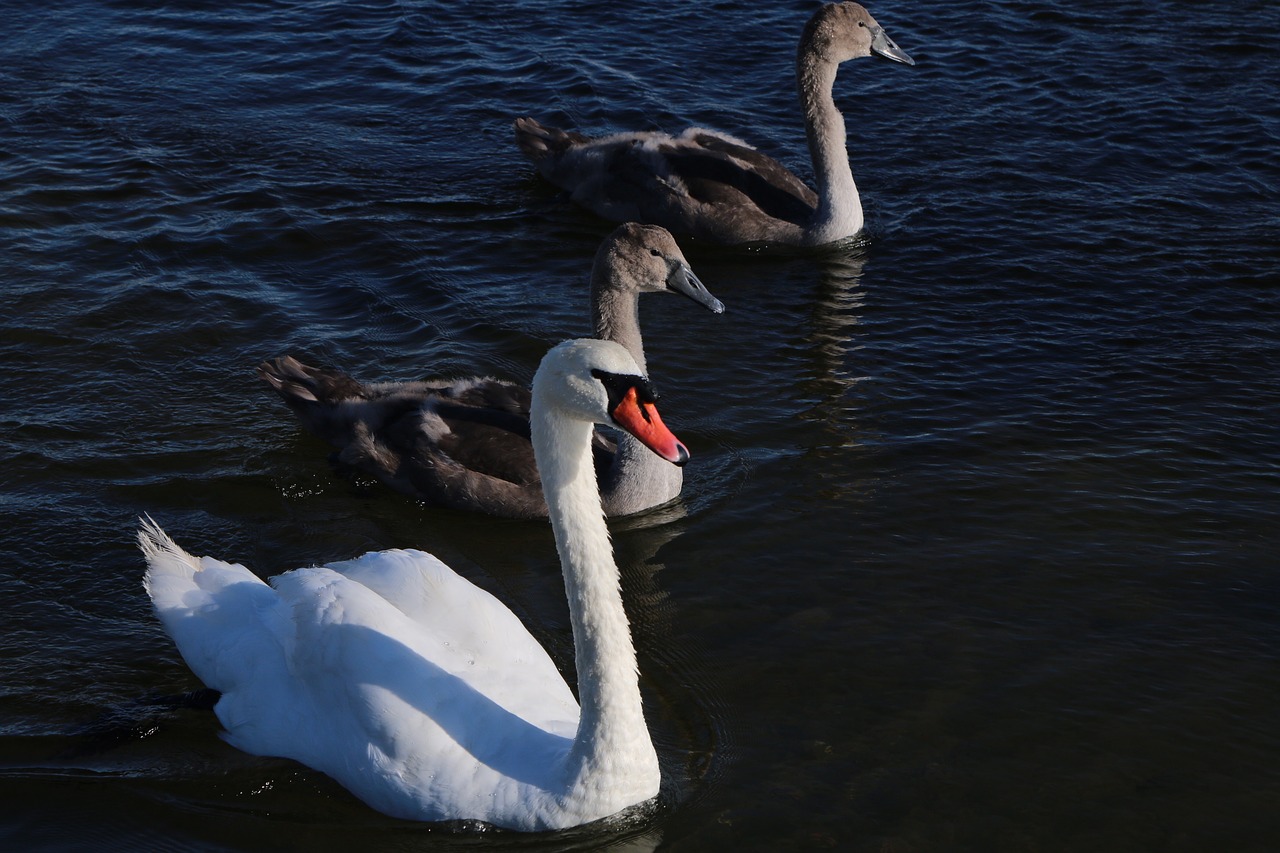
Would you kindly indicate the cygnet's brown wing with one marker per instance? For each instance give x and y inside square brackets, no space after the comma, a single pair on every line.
[717,169]
[463,443]
[700,184]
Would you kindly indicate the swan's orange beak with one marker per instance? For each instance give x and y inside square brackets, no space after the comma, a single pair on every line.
[641,420]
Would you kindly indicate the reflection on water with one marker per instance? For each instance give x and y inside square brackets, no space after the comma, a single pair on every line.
[833,330]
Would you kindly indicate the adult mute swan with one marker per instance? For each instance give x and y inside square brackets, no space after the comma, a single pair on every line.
[419,692]
[464,443]
[716,187]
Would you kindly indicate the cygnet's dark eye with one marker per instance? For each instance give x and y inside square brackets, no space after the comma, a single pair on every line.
[655,253]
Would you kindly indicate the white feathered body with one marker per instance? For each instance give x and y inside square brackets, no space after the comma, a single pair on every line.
[416,690]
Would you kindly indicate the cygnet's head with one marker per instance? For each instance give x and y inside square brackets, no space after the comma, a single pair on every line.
[838,32]
[646,259]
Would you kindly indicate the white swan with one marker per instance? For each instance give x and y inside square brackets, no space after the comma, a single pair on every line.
[464,443]
[716,187]
[419,692]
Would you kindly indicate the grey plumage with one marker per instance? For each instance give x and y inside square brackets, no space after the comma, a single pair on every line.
[718,188]
[465,443]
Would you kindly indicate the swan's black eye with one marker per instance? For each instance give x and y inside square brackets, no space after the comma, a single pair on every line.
[655,253]
[617,385]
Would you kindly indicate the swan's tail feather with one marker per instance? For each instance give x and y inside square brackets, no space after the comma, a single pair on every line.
[221,616]
[539,142]
[178,581]
[162,553]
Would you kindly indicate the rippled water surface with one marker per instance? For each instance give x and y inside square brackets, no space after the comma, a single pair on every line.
[980,539]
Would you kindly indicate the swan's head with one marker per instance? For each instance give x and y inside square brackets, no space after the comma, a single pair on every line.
[646,259]
[842,31]
[598,382]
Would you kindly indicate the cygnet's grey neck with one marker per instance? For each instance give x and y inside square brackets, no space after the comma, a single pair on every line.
[616,310]
[839,207]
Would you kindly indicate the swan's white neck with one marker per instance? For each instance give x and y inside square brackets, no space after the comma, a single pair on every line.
[612,756]
[839,212]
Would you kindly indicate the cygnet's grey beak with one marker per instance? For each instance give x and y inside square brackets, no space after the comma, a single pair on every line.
[883,45]
[682,280]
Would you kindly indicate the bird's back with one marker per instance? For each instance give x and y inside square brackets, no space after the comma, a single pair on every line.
[385,672]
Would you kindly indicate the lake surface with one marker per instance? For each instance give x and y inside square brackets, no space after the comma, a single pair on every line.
[980,541]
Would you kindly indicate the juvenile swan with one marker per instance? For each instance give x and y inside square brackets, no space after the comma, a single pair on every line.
[465,443]
[420,693]
[716,187]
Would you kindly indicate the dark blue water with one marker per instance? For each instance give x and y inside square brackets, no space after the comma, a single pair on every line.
[979,547]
